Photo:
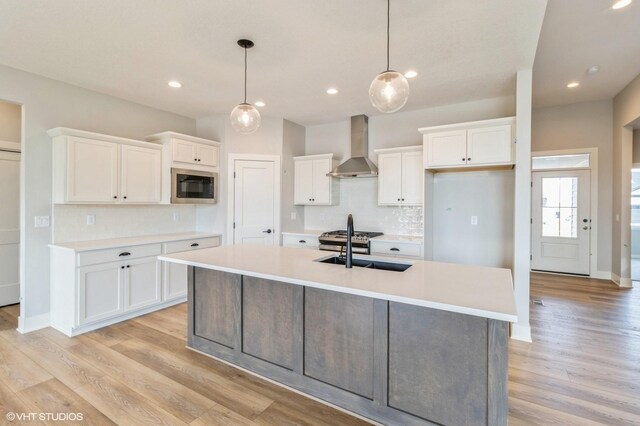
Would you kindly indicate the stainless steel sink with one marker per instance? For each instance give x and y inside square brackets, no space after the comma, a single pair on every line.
[367,263]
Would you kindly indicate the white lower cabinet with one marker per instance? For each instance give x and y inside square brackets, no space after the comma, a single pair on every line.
[397,248]
[100,292]
[300,241]
[94,288]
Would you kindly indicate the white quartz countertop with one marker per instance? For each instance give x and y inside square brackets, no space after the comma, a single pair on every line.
[390,238]
[130,241]
[472,290]
[311,232]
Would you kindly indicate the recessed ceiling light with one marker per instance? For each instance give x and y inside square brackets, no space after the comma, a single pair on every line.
[175,84]
[594,69]
[411,74]
[620,4]
[332,90]
[573,84]
[259,104]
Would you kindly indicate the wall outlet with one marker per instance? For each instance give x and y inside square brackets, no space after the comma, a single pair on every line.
[91,219]
[294,215]
[42,222]
[474,220]
[176,216]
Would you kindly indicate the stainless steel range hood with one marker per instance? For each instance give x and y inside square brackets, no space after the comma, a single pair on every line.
[358,165]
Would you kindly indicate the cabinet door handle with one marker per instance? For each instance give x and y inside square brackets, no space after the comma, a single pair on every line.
[122,267]
[128,266]
[115,197]
[302,242]
[195,245]
[125,253]
[464,159]
[195,159]
[268,231]
[469,159]
[398,199]
[403,199]
[125,197]
[394,249]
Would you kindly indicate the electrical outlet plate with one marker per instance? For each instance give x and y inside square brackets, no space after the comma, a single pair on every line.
[42,222]
[474,220]
[91,219]
[176,216]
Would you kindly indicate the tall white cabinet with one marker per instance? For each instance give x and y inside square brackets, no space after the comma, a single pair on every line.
[400,176]
[91,168]
[312,186]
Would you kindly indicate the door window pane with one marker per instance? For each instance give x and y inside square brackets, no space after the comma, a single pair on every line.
[560,207]
[560,161]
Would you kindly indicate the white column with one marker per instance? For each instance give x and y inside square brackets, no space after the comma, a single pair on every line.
[522,217]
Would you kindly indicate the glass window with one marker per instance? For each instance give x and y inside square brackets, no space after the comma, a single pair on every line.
[560,207]
[571,161]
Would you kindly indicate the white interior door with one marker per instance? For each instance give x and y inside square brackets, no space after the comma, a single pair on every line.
[561,223]
[9,228]
[254,202]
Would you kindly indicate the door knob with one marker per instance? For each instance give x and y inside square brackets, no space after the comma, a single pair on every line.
[585,227]
[585,220]
[268,231]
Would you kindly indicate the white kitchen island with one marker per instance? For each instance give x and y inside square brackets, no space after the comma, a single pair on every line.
[424,346]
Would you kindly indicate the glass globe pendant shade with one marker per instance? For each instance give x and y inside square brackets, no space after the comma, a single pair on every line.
[245,118]
[389,91]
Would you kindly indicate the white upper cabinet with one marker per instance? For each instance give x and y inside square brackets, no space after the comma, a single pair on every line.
[90,168]
[477,144]
[446,148]
[141,174]
[400,176]
[187,152]
[312,186]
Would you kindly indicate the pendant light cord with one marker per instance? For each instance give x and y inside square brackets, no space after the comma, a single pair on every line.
[388,24]
[245,75]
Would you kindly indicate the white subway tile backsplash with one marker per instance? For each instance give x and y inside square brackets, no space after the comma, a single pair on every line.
[359,196]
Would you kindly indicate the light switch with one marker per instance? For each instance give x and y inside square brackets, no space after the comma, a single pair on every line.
[176,216]
[474,220]
[91,219]
[42,222]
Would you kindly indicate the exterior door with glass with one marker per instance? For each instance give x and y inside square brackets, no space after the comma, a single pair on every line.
[561,223]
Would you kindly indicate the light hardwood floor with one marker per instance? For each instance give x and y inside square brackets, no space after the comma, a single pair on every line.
[582,369]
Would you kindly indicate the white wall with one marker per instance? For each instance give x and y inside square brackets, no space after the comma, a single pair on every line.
[576,126]
[292,145]
[626,111]
[48,103]
[267,140]
[487,195]
[359,196]
[70,224]
[636,147]
[10,122]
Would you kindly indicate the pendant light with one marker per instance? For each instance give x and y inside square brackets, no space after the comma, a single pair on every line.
[245,118]
[389,91]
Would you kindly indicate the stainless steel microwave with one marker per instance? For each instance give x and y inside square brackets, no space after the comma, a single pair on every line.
[193,187]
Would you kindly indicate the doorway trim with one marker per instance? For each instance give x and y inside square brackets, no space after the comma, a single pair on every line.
[231,200]
[593,166]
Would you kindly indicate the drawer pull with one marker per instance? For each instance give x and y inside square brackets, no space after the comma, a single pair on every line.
[394,249]
[124,253]
[195,245]
[302,242]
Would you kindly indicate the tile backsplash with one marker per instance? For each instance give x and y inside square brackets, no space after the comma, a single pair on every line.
[111,221]
[359,196]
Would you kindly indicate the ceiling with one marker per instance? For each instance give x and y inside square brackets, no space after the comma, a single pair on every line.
[464,50]
[577,34]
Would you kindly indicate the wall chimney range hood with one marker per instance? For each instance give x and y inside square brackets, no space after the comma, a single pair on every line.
[358,165]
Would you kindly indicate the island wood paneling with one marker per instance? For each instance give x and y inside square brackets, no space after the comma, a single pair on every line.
[338,340]
[268,320]
[438,364]
[216,307]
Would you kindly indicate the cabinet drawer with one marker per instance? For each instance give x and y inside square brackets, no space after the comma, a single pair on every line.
[116,254]
[186,245]
[300,241]
[396,249]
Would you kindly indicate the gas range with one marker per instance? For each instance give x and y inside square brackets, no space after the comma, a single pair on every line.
[337,241]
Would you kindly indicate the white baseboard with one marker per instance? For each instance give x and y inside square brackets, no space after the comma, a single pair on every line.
[622,282]
[601,275]
[521,332]
[29,324]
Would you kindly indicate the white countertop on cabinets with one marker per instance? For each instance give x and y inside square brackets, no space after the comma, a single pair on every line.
[466,289]
[130,241]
